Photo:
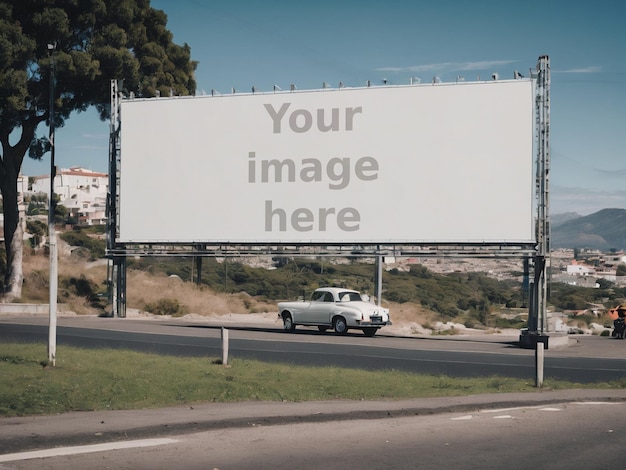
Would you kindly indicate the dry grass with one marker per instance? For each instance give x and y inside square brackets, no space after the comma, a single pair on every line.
[146,288]
[142,288]
[410,312]
[37,280]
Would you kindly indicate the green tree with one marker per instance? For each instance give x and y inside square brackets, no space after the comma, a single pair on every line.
[60,211]
[620,270]
[82,45]
[38,229]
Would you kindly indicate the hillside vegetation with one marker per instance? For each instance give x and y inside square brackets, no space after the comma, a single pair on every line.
[164,286]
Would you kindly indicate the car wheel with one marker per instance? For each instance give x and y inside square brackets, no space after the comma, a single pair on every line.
[340,326]
[369,331]
[322,328]
[288,324]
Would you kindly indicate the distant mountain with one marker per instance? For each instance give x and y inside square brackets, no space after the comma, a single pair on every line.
[603,230]
[558,219]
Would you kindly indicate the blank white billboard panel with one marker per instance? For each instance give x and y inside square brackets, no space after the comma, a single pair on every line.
[416,164]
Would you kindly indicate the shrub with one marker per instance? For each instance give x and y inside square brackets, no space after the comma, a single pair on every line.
[72,288]
[398,295]
[38,229]
[78,238]
[515,323]
[79,286]
[166,306]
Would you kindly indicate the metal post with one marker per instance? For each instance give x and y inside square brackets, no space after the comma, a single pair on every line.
[120,306]
[539,364]
[224,346]
[52,241]
[198,265]
[198,270]
[379,276]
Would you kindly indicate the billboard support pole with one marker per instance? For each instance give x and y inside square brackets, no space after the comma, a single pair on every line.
[543,177]
[198,265]
[538,292]
[120,283]
[379,276]
[116,281]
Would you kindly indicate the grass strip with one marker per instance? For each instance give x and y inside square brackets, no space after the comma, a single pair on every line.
[99,379]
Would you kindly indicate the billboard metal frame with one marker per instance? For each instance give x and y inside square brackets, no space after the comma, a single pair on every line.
[411,164]
[535,254]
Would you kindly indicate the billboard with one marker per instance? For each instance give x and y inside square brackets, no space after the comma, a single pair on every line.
[440,163]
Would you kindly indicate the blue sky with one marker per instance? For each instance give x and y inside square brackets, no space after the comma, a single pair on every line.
[245,43]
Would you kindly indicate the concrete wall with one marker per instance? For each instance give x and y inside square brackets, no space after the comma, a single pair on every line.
[27,309]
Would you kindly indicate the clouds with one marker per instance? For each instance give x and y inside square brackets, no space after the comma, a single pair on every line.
[619,174]
[449,66]
[585,200]
[588,69]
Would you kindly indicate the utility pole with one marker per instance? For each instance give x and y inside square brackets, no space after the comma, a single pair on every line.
[52,241]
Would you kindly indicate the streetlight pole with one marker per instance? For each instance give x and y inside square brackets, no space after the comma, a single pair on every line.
[52,241]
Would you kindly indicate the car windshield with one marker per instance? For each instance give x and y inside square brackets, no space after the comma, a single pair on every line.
[349,297]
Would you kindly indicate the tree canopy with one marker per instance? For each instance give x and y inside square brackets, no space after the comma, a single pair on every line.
[84,44]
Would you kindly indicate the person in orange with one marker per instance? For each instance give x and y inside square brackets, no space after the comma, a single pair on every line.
[618,314]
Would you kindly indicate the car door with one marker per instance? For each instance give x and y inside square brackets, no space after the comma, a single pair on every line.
[308,315]
[324,314]
[320,309]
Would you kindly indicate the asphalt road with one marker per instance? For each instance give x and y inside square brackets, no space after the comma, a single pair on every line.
[589,360]
[536,432]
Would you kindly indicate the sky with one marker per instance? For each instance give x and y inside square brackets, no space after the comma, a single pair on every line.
[244,43]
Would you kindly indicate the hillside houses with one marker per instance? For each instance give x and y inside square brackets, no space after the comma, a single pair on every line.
[585,272]
[83,192]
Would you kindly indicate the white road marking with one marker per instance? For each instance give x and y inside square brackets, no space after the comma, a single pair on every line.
[550,409]
[461,418]
[503,417]
[61,451]
[597,403]
[502,410]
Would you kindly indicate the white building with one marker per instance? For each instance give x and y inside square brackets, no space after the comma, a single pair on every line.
[576,269]
[82,191]
[617,258]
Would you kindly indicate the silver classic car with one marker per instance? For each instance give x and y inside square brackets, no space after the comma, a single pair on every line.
[337,308]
